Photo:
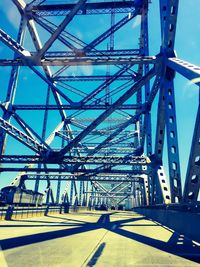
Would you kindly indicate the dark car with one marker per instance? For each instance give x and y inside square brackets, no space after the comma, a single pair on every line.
[120,207]
[103,207]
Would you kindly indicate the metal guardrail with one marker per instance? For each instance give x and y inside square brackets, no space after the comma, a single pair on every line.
[194,207]
[19,212]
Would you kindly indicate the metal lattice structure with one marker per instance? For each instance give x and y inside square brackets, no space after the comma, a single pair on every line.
[87,117]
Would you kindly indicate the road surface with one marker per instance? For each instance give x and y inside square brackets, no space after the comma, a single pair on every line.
[103,239]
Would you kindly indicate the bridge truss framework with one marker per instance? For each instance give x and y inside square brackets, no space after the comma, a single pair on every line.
[91,128]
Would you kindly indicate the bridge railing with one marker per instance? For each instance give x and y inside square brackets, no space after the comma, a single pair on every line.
[183,218]
[19,212]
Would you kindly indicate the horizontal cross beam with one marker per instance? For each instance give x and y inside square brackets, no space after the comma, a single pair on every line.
[78,61]
[96,53]
[74,106]
[91,78]
[188,70]
[60,177]
[75,159]
[109,111]
[87,8]
[80,172]
[22,137]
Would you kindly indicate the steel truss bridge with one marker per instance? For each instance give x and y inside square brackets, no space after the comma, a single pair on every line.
[76,117]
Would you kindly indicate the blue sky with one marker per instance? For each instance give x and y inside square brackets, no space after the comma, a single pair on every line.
[187,47]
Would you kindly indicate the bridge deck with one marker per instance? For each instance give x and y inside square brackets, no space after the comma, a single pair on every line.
[94,239]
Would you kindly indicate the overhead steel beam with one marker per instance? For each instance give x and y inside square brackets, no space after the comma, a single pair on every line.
[20,4]
[22,137]
[114,134]
[94,53]
[186,69]
[80,172]
[47,61]
[91,8]
[74,106]
[108,112]
[38,45]
[50,27]
[115,160]
[110,31]
[105,84]
[13,45]
[29,131]
[12,86]
[91,78]
[60,28]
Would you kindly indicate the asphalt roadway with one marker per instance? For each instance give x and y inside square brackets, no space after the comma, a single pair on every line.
[106,239]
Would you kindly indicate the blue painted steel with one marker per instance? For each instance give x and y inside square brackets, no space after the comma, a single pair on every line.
[61,27]
[12,86]
[192,182]
[87,9]
[110,31]
[131,101]
[108,112]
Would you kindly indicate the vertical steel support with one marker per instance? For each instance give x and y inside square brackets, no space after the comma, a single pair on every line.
[172,142]
[192,182]
[86,194]
[81,188]
[146,189]
[164,189]
[91,197]
[49,196]
[58,190]
[142,194]
[43,135]
[76,200]
[112,36]
[161,192]
[168,14]
[65,197]
[84,201]
[156,195]
[12,85]
[147,119]
[71,193]
[59,179]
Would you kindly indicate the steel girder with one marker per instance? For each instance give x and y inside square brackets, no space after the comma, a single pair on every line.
[12,85]
[131,84]
[192,182]
[74,159]
[61,27]
[65,61]
[109,111]
[75,106]
[87,9]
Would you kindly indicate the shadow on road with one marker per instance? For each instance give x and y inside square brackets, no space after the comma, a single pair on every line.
[96,255]
[177,245]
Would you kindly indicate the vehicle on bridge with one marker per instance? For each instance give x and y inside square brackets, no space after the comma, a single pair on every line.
[18,196]
[101,207]
[120,207]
